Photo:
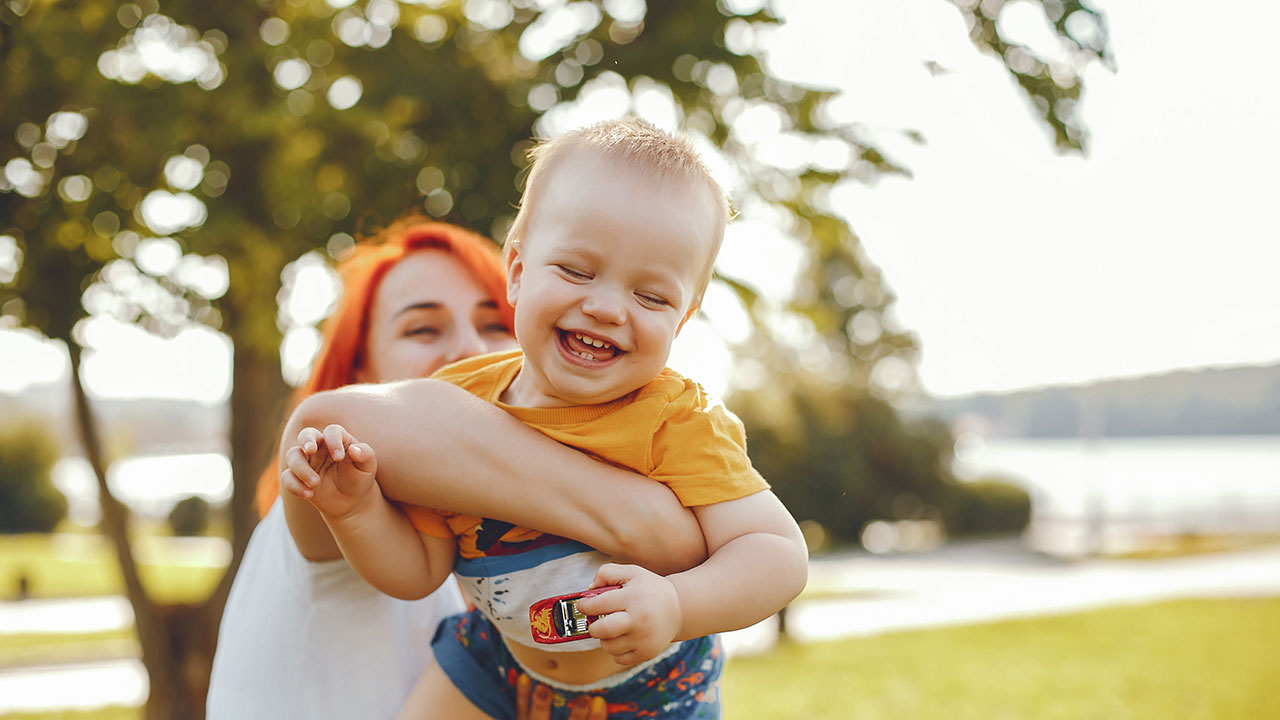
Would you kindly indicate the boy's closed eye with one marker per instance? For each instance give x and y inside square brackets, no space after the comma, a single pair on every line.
[573,273]
[653,300]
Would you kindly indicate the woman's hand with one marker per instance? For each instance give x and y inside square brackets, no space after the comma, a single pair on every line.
[535,704]
[331,470]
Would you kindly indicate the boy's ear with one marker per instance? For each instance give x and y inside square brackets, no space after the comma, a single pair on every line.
[692,310]
[515,269]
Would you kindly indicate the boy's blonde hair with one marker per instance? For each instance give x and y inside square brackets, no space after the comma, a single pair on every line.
[668,157]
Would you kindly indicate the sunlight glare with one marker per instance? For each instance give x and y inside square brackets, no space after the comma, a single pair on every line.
[310,290]
[291,74]
[297,350]
[164,49]
[1024,22]
[556,28]
[65,127]
[123,684]
[167,213]
[158,256]
[760,255]
[183,172]
[125,361]
[345,92]
[10,258]
[30,359]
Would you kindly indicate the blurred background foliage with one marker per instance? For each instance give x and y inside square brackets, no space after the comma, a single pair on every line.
[28,500]
[163,161]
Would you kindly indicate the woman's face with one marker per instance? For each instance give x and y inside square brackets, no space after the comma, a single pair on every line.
[429,312]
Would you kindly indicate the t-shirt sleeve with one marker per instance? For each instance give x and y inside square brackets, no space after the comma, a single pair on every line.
[700,452]
[427,521]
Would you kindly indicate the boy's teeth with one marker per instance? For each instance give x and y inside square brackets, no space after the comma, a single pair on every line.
[592,341]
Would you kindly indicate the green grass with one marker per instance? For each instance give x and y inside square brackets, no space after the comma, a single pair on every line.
[82,564]
[114,712]
[44,648]
[1184,659]
[1161,547]
[1178,660]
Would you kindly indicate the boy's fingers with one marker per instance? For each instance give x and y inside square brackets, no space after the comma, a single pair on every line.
[611,626]
[620,648]
[614,574]
[309,440]
[609,601]
[298,464]
[363,458]
[292,485]
[335,436]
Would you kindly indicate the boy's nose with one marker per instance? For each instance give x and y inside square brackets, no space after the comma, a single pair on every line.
[604,306]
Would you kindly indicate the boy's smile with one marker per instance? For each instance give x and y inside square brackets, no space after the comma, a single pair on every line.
[604,279]
[588,348]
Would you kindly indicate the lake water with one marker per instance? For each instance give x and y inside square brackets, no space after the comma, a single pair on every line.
[1122,487]
[150,485]
[1170,485]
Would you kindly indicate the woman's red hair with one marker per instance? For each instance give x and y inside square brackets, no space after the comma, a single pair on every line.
[341,353]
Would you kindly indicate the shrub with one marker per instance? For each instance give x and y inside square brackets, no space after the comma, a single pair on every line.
[28,500]
[190,516]
[988,506]
[843,458]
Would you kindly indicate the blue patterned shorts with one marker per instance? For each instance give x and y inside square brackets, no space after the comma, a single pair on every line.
[680,686]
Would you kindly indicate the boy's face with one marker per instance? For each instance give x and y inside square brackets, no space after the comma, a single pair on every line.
[603,280]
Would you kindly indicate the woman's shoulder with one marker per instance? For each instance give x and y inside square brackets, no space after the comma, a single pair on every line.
[494,362]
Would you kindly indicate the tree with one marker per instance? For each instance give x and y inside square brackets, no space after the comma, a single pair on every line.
[234,137]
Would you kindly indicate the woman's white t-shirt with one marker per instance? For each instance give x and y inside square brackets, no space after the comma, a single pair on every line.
[313,639]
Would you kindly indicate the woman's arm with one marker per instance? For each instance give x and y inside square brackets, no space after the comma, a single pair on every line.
[439,446]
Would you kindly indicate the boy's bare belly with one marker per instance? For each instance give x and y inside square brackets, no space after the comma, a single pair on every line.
[570,668]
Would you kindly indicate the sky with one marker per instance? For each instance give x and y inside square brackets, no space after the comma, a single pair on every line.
[1014,265]
[1019,267]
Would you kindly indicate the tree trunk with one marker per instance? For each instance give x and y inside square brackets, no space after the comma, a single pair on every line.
[178,640]
[258,395]
[152,633]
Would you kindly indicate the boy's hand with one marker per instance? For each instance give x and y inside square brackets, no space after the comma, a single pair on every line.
[643,616]
[331,470]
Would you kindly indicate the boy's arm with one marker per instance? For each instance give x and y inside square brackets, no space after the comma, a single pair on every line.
[307,527]
[758,564]
[384,549]
[335,476]
[439,446]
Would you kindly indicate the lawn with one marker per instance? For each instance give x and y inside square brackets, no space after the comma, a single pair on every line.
[83,564]
[1180,659]
[1185,659]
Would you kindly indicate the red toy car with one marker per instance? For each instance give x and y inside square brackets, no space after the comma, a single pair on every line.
[557,619]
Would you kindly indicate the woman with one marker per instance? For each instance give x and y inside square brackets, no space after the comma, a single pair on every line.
[302,635]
